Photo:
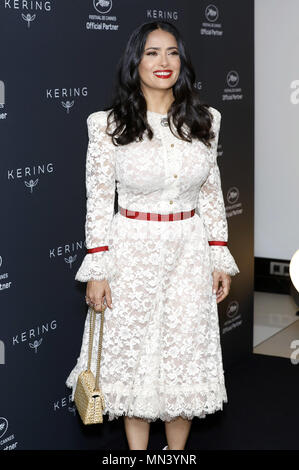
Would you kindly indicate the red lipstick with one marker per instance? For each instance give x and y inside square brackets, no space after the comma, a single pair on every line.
[165,74]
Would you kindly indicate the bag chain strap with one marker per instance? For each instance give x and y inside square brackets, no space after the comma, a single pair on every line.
[91,335]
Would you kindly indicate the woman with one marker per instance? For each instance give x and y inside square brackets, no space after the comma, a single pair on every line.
[162,259]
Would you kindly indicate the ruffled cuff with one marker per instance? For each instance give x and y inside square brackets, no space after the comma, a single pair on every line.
[222,260]
[97,267]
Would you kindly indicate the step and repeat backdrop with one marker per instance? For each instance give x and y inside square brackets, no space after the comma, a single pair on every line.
[58,62]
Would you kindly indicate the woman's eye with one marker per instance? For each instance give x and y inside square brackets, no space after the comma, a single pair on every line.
[153,52]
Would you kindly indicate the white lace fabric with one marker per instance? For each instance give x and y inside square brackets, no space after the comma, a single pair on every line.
[161,352]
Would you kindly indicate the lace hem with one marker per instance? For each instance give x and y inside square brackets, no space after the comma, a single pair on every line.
[97,267]
[222,260]
[185,401]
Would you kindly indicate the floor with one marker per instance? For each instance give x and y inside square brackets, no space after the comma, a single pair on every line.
[262,413]
[276,325]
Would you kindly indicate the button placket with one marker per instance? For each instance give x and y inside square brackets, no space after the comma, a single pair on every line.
[175,162]
[172,162]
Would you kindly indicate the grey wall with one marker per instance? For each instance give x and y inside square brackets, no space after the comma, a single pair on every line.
[276,201]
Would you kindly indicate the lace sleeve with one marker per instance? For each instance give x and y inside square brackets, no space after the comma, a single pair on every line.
[100,193]
[212,209]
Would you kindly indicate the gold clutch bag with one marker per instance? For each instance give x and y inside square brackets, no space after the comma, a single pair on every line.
[89,399]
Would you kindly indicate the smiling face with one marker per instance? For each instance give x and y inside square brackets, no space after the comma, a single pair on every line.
[160,54]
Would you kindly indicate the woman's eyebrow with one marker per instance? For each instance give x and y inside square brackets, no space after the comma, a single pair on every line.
[171,47]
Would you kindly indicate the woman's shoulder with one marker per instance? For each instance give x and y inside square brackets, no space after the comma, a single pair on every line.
[215,112]
[216,117]
[99,117]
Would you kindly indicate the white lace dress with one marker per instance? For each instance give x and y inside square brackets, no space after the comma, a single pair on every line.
[161,350]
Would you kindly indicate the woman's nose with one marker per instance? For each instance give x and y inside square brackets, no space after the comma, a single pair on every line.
[164,61]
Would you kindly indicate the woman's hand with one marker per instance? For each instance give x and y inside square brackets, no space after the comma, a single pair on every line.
[95,293]
[222,290]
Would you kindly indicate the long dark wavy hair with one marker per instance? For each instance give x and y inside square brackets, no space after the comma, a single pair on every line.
[129,108]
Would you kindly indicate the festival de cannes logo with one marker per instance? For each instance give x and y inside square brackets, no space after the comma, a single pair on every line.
[232,78]
[3,426]
[102,18]
[211,13]
[102,6]
[232,89]
[232,195]
[233,317]
[232,309]
[7,441]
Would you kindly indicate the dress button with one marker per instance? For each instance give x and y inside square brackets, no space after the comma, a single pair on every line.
[170,202]
[172,145]
[175,176]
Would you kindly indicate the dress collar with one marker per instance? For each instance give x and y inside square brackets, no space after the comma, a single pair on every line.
[153,113]
[157,118]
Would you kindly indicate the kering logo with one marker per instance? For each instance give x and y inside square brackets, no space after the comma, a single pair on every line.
[35,344]
[66,93]
[72,409]
[69,249]
[27,171]
[34,333]
[211,13]
[63,403]
[29,18]
[2,94]
[162,14]
[29,8]
[198,85]
[70,260]
[102,6]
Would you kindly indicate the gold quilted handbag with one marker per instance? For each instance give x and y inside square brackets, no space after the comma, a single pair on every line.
[89,399]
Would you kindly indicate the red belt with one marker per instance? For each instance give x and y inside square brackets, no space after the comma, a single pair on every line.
[157,217]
